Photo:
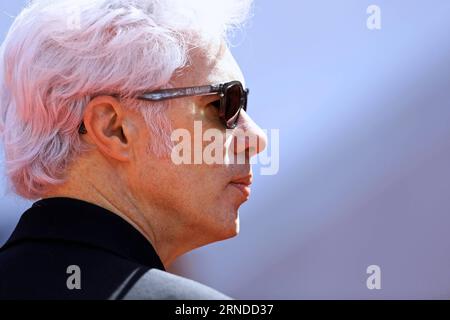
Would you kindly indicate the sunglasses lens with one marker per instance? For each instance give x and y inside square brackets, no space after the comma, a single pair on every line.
[234,102]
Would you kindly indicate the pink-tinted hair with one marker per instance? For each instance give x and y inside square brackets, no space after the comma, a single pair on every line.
[59,53]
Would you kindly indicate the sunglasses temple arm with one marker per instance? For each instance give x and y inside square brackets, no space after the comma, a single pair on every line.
[180,93]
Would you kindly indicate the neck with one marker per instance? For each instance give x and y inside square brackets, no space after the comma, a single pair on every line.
[165,238]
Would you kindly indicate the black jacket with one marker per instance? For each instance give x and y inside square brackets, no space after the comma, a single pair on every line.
[65,248]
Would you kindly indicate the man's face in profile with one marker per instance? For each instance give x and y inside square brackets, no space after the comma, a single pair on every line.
[202,198]
[91,117]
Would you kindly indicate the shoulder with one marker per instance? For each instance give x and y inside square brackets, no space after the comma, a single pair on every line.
[157,284]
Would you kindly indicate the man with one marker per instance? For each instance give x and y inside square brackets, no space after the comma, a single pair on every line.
[91,93]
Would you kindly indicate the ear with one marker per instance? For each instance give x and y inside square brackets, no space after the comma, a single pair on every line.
[103,119]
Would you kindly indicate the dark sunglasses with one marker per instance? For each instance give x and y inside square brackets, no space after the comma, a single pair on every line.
[233,98]
[232,95]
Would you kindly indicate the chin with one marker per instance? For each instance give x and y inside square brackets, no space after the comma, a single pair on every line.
[221,224]
[231,229]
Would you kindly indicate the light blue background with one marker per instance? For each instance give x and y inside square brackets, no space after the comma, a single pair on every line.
[364,119]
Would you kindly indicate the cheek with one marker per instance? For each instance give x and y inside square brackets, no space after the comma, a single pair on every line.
[198,190]
[183,187]
[200,183]
[196,196]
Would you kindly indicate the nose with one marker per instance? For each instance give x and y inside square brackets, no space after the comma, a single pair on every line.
[249,137]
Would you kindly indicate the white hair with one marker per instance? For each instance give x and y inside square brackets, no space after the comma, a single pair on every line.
[58,54]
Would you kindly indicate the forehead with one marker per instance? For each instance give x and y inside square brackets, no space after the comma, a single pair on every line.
[211,65]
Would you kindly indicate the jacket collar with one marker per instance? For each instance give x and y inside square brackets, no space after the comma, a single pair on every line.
[74,220]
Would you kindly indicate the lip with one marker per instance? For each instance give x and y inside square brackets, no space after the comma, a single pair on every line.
[243,184]
[243,188]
